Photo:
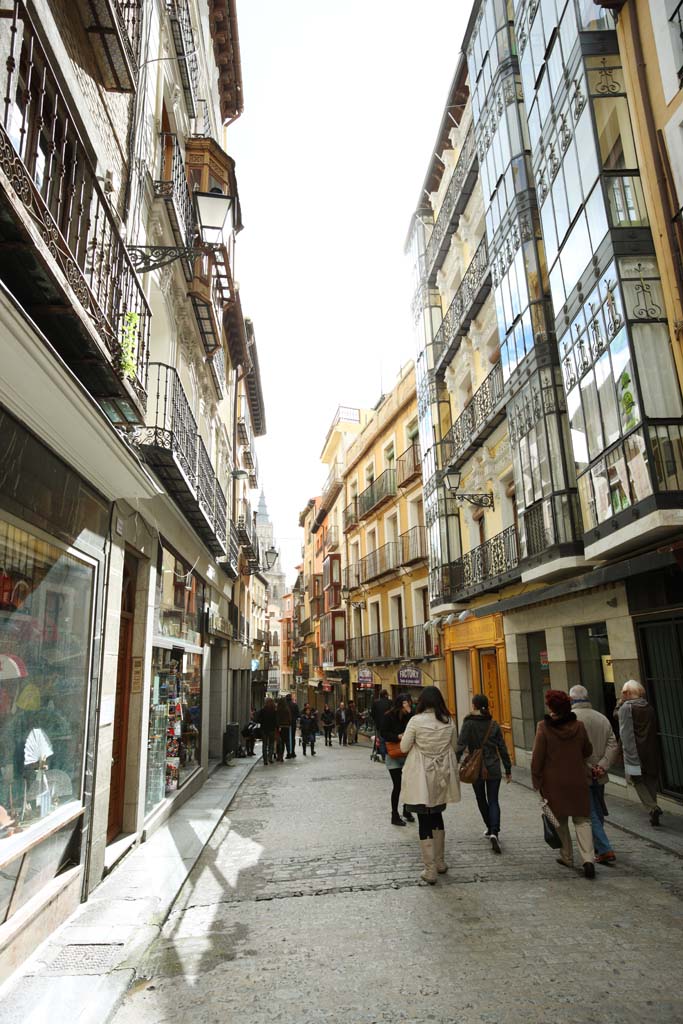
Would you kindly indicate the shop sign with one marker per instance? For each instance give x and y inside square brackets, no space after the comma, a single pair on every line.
[409,676]
[543,657]
[364,675]
[136,675]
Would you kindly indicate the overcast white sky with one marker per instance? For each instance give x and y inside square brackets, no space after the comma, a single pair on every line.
[343,100]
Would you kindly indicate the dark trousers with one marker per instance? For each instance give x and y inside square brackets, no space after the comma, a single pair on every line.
[268,746]
[286,739]
[395,774]
[328,735]
[429,823]
[341,733]
[308,741]
[486,792]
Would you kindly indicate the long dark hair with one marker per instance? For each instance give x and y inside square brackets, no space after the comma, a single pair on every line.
[431,699]
[396,709]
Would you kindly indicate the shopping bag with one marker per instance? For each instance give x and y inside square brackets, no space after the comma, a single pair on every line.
[550,833]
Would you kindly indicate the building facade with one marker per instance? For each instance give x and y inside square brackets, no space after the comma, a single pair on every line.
[125,646]
[547,306]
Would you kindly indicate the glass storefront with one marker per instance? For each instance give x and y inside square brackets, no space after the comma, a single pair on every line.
[174,744]
[46,601]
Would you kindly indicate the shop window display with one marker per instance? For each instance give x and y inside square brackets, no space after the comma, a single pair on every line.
[174,749]
[46,596]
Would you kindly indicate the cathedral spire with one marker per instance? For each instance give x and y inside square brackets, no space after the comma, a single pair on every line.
[262,511]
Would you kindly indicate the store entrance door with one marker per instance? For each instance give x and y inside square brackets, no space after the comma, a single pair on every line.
[117,786]
[661,645]
[490,682]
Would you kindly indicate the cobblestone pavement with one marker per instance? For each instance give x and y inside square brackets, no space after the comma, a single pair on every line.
[305,908]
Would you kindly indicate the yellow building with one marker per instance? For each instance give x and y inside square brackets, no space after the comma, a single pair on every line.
[391,642]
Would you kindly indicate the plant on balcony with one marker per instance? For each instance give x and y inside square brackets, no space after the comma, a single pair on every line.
[627,401]
[130,327]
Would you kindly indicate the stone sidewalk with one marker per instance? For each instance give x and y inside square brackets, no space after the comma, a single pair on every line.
[79,974]
[305,907]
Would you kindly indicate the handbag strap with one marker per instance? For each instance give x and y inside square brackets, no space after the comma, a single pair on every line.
[488,733]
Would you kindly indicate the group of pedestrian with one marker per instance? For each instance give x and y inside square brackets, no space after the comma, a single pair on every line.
[347,720]
[573,750]
[276,723]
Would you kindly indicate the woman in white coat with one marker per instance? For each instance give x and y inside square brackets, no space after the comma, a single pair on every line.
[430,776]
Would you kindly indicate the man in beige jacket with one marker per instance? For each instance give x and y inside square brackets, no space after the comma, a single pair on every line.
[605,750]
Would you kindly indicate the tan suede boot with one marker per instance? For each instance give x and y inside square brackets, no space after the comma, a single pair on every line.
[429,874]
[439,841]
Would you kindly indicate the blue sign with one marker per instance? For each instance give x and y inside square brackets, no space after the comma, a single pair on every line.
[410,676]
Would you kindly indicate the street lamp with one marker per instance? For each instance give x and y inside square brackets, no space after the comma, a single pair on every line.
[271,556]
[210,213]
[451,482]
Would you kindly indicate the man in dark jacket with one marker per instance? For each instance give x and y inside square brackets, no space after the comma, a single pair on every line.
[294,712]
[341,718]
[638,736]
[284,725]
[378,711]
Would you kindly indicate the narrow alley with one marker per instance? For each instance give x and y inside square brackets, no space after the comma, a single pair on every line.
[305,907]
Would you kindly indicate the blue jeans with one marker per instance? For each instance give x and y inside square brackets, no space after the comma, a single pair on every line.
[486,792]
[600,840]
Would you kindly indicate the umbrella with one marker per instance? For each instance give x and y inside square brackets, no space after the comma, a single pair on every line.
[12,667]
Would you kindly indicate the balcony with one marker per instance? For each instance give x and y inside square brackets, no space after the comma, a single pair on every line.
[317,607]
[351,576]
[332,486]
[384,560]
[413,545]
[380,491]
[217,367]
[409,465]
[386,646]
[332,538]
[487,567]
[420,643]
[350,516]
[114,30]
[458,192]
[477,421]
[232,564]
[172,447]
[186,51]
[61,254]
[173,189]
[209,292]
[305,627]
[467,301]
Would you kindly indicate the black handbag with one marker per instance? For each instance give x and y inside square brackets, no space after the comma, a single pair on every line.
[550,834]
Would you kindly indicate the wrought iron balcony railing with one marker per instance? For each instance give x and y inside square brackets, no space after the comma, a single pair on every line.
[186,51]
[114,30]
[458,192]
[171,445]
[332,538]
[350,517]
[467,302]
[384,560]
[377,494]
[172,187]
[64,258]
[421,642]
[386,646]
[413,545]
[476,421]
[486,567]
[332,485]
[172,427]
[351,576]
[409,465]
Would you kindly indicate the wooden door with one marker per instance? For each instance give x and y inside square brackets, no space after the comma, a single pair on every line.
[490,682]
[117,785]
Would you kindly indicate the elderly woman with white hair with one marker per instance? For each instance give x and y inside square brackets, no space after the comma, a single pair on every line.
[639,744]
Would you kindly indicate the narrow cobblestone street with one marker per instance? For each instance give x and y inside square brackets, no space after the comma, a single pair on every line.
[305,907]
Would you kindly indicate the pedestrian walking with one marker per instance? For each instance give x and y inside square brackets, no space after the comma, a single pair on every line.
[640,747]
[393,727]
[352,729]
[308,724]
[341,718]
[378,710]
[284,723]
[267,720]
[294,718]
[480,731]
[430,776]
[560,774]
[251,733]
[327,722]
[605,752]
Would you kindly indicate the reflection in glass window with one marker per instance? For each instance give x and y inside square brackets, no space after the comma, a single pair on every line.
[585,146]
[658,378]
[618,480]
[593,18]
[587,502]
[636,458]
[591,412]
[603,503]
[576,254]
[577,429]
[597,217]
[45,613]
[608,401]
[615,137]
[622,372]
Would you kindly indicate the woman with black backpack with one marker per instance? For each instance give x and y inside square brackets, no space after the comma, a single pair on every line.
[480,732]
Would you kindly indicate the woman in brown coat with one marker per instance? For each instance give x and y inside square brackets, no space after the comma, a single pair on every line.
[560,774]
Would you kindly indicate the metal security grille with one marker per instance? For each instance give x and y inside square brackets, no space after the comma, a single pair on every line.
[661,645]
